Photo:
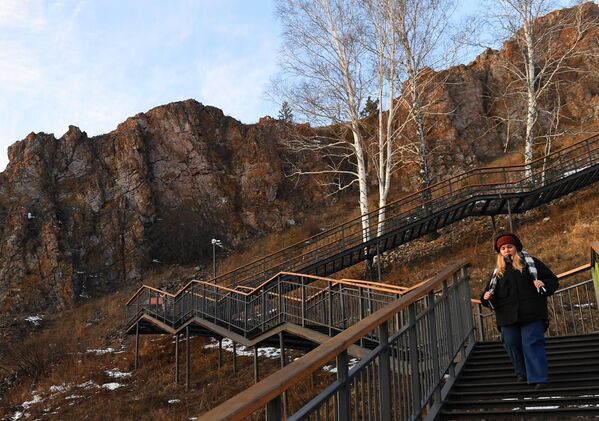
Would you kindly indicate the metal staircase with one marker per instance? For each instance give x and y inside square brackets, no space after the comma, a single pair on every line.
[487,388]
[239,300]
[419,338]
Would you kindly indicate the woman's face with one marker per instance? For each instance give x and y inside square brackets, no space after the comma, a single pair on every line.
[506,249]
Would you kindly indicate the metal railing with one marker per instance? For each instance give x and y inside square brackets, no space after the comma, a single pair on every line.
[422,340]
[572,310]
[305,300]
[477,182]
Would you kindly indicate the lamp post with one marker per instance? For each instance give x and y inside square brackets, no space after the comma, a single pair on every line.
[215,243]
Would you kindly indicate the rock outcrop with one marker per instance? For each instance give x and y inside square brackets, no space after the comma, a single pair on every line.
[80,215]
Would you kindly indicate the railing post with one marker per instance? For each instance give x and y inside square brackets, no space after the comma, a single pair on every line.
[330,316]
[273,409]
[303,302]
[481,331]
[446,306]
[433,344]
[385,372]
[280,301]
[343,394]
[414,363]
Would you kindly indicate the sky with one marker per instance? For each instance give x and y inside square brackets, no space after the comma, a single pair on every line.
[93,63]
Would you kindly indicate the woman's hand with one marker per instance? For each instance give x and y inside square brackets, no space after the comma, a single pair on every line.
[488,295]
[539,284]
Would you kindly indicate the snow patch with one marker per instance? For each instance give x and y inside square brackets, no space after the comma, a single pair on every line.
[112,386]
[100,351]
[269,352]
[174,401]
[35,320]
[115,373]
[36,399]
[58,389]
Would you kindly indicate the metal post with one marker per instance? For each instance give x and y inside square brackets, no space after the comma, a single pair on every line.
[330,321]
[186,357]
[303,302]
[414,366]
[256,372]
[493,224]
[273,409]
[213,259]
[378,260]
[344,392]
[220,353]
[481,331]
[177,358]
[433,344]
[234,358]
[282,348]
[385,372]
[136,345]
[448,326]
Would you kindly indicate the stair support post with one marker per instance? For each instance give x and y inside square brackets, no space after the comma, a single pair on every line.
[177,358]
[414,371]
[220,353]
[136,364]
[234,358]
[282,359]
[256,370]
[384,372]
[186,357]
[343,409]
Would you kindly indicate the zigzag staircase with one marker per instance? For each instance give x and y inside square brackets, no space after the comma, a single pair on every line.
[286,293]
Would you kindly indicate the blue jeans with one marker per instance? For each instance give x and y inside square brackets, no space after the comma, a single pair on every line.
[525,345]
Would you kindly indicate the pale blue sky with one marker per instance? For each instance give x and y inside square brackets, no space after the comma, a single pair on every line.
[93,63]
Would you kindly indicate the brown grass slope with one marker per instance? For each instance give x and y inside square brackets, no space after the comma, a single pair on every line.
[64,364]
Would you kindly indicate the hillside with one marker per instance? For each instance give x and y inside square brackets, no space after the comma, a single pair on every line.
[87,220]
[78,364]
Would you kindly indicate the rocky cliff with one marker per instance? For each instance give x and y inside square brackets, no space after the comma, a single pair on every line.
[81,214]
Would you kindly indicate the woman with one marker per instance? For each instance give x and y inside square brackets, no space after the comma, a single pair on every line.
[518,292]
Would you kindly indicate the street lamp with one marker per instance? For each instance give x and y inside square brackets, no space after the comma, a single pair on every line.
[215,243]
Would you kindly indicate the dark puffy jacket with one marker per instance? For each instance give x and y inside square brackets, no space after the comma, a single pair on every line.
[516,300]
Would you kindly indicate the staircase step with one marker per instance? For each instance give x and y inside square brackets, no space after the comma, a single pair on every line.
[578,401]
[554,364]
[554,382]
[548,413]
[570,350]
[509,377]
[499,391]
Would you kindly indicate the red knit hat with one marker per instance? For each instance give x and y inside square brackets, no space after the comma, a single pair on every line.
[507,238]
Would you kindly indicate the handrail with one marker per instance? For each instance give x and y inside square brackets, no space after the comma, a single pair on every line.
[258,395]
[375,286]
[416,194]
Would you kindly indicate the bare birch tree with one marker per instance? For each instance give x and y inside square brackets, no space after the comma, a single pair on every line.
[325,75]
[422,27]
[543,55]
